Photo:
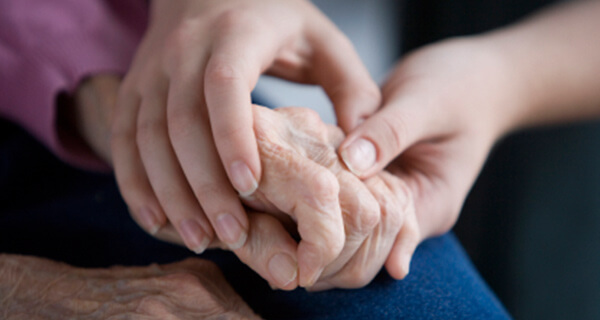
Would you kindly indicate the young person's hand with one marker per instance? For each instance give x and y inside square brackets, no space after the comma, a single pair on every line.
[183,145]
[446,105]
[443,110]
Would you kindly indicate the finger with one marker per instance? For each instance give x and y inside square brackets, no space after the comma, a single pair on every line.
[166,177]
[409,236]
[129,170]
[192,141]
[311,197]
[361,214]
[297,185]
[237,59]
[382,137]
[339,70]
[169,234]
[270,251]
[368,260]
[398,262]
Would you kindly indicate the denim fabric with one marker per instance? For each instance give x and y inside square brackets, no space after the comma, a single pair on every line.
[51,210]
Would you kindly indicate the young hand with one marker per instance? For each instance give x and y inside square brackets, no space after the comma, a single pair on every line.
[183,126]
[442,112]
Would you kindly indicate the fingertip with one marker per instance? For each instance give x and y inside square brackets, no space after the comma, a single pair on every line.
[151,220]
[400,268]
[194,237]
[359,156]
[242,178]
[231,230]
[284,271]
[310,264]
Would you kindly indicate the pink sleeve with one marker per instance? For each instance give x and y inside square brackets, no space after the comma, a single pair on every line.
[48,46]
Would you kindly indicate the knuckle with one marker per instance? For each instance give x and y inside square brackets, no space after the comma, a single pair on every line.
[368,217]
[221,72]
[182,38]
[183,280]
[231,18]
[234,19]
[310,117]
[361,213]
[324,155]
[334,245]
[324,183]
[153,304]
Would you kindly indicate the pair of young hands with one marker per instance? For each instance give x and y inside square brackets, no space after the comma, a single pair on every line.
[188,147]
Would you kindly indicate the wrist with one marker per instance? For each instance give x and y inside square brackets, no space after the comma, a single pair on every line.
[91,110]
[508,102]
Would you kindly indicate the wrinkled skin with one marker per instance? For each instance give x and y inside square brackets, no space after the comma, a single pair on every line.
[183,145]
[347,227]
[34,288]
[358,222]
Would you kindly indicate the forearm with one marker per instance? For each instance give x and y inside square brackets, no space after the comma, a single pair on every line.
[553,64]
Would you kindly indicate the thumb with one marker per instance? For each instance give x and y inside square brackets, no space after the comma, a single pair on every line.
[380,139]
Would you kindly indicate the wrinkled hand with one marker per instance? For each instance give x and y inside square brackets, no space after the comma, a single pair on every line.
[182,129]
[39,289]
[442,113]
[347,228]
[336,214]
[288,140]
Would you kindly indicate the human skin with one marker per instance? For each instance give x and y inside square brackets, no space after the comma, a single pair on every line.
[183,144]
[444,106]
[35,289]
[303,176]
[346,227]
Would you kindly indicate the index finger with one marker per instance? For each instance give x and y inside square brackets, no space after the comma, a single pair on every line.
[237,59]
[339,70]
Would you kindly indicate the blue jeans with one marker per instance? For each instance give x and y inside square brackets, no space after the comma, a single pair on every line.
[50,210]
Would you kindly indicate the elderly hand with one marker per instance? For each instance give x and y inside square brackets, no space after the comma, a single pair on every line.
[39,289]
[347,228]
[334,211]
[183,127]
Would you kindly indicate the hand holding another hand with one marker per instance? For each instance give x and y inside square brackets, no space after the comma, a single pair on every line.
[347,228]
[183,144]
[444,107]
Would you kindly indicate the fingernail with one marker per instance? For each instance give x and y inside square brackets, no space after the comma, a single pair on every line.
[283,269]
[359,156]
[231,231]
[149,220]
[242,179]
[193,235]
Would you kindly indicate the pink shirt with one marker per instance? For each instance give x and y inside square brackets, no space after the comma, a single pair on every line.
[49,46]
